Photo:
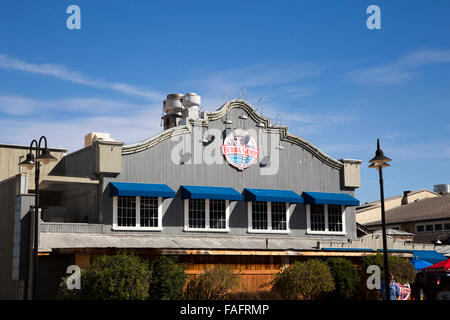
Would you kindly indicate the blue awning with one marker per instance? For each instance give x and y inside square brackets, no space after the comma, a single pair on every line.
[429,256]
[329,198]
[420,264]
[140,190]
[215,193]
[272,195]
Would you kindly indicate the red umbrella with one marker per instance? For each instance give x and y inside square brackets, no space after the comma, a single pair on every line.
[443,266]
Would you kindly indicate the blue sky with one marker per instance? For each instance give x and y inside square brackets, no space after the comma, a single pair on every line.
[335,82]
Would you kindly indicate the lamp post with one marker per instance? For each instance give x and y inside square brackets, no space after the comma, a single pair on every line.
[379,162]
[42,155]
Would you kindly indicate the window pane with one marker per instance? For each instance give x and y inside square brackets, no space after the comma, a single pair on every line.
[438,226]
[317,217]
[126,211]
[149,212]
[420,229]
[259,215]
[429,227]
[217,215]
[447,226]
[279,216]
[197,213]
[334,218]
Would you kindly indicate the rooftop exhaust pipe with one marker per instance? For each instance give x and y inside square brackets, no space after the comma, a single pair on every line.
[179,108]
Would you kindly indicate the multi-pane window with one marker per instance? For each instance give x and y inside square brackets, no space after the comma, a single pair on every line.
[217,214]
[278,216]
[317,217]
[326,218]
[334,218]
[137,212]
[433,227]
[149,212]
[126,212]
[206,214]
[197,213]
[259,215]
[268,216]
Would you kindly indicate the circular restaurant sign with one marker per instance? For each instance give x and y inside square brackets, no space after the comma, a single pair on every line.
[240,149]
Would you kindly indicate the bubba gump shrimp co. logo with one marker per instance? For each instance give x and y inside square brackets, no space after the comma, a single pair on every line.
[240,149]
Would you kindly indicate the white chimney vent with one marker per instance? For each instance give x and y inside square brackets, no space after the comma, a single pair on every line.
[191,101]
[94,136]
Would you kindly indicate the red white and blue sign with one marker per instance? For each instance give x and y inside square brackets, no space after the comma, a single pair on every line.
[240,149]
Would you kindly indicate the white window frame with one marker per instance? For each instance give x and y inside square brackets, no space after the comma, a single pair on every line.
[207,222]
[327,232]
[289,209]
[137,227]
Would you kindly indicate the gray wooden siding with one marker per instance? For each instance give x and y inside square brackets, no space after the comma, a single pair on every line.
[299,170]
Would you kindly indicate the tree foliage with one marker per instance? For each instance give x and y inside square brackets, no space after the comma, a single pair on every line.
[346,278]
[401,268]
[307,280]
[214,284]
[168,279]
[123,276]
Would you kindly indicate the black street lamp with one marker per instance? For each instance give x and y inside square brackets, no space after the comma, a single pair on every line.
[379,162]
[42,156]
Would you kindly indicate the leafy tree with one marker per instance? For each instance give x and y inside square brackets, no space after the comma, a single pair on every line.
[123,276]
[307,280]
[346,278]
[214,284]
[168,279]
[401,268]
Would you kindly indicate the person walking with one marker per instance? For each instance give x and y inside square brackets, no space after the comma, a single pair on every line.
[394,289]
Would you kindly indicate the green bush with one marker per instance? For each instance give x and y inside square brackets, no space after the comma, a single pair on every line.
[214,284]
[64,293]
[123,276]
[346,278]
[304,280]
[401,268]
[168,279]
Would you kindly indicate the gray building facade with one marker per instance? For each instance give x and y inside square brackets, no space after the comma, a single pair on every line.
[179,194]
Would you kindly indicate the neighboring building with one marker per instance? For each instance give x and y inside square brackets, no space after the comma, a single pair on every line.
[214,187]
[11,155]
[370,212]
[427,219]
[14,181]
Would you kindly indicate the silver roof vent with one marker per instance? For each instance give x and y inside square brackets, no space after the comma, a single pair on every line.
[442,189]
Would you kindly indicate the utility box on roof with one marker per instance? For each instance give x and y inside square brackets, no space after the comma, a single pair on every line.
[108,156]
[352,177]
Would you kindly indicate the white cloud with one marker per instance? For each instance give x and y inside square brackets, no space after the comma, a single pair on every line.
[125,121]
[260,80]
[66,74]
[20,106]
[400,70]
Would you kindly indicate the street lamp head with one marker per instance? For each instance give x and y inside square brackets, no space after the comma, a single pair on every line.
[28,162]
[379,166]
[380,160]
[45,157]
